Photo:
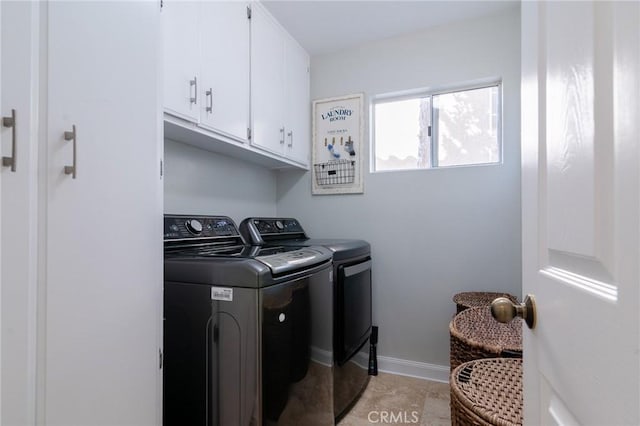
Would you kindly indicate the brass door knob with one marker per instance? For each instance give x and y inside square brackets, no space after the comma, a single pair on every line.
[504,310]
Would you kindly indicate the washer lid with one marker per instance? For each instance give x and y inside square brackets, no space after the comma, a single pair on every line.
[288,261]
[247,269]
[286,231]
[341,248]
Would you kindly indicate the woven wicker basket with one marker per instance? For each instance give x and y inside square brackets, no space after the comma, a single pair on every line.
[475,334]
[487,392]
[472,299]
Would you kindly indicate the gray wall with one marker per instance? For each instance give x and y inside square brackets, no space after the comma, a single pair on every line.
[202,182]
[433,232]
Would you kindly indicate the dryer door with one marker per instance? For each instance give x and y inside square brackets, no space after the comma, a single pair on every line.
[353,315]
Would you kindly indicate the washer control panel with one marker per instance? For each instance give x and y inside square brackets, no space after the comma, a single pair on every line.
[178,227]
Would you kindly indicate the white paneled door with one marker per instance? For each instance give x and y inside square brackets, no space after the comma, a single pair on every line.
[581,211]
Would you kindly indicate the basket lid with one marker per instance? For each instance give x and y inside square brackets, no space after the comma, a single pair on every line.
[477,325]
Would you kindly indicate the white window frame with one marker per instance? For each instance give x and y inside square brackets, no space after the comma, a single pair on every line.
[430,93]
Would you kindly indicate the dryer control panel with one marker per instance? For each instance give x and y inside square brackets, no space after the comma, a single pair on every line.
[277,226]
[260,230]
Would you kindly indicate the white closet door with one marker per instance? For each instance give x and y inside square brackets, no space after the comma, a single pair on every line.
[1,242]
[19,30]
[104,228]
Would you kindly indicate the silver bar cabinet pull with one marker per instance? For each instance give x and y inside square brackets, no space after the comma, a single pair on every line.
[194,83]
[71,136]
[209,94]
[290,134]
[11,122]
[282,135]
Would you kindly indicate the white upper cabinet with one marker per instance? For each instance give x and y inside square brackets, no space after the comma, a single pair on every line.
[232,75]
[298,103]
[181,59]
[279,90]
[225,68]
[206,65]
[267,81]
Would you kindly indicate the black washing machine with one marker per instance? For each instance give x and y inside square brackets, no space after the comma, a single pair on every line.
[247,334]
[352,315]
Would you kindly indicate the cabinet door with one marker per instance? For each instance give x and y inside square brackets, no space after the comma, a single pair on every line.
[19,263]
[225,68]
[297,97]
[103,228]
[267,81]
[181,56]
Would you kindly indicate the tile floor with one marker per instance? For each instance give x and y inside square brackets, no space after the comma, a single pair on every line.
[401,400]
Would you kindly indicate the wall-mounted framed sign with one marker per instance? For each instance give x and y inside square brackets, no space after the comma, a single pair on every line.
[338,129]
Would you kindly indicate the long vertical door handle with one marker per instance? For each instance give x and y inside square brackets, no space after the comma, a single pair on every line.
[194,83]
[290,134]
[11,122]
[71,136]
[209,94]
[282,135]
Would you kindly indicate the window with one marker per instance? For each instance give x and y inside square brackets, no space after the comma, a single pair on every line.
[437,129]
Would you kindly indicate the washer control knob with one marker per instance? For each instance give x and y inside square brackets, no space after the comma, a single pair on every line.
[194,226]
[279,225]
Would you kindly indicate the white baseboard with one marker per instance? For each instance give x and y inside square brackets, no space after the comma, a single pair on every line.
[321,356]
[402,367]
[421,370]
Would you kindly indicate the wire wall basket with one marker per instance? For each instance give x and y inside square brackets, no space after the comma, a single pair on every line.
[335,172]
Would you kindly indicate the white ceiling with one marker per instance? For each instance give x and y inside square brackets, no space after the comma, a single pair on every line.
[324,26]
